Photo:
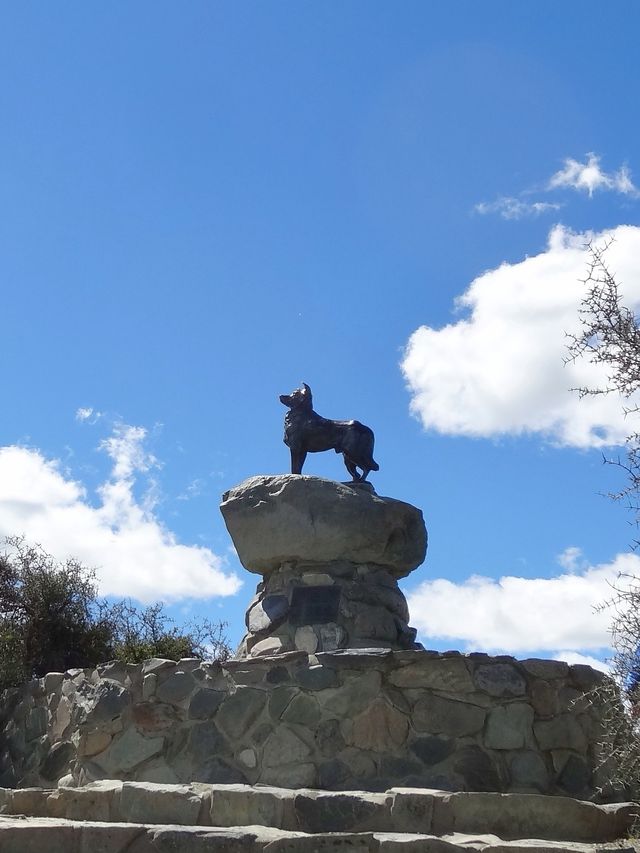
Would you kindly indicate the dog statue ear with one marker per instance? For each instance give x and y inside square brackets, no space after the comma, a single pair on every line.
[306,388]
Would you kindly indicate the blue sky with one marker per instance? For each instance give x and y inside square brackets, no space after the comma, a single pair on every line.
[205,204]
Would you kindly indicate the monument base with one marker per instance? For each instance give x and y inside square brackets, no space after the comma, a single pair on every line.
[366,720]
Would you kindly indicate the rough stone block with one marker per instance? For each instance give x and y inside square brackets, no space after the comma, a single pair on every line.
[380,728]
[146,802]
[306,639]
[283,746]
[500,679]
[446,675]
[204,703]
[355,694]
[529,771]
[273,520]
[562,732]
[175,689]
[267,613]
[239,711]
[437,715]
[509,727]
[432,750]
[242,805]
[128,751]
[341,812]
[411,809]
[546,669]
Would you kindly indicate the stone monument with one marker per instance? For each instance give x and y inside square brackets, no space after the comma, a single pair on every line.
[328,691]
[330,555]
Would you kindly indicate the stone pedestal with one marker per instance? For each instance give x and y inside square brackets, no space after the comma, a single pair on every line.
[330,555]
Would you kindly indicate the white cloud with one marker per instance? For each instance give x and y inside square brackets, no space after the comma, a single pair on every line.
[500,368]
[87,414]
[134,553]
[509,207]
[585,660]
[570,558]
[520,615]
[589,177]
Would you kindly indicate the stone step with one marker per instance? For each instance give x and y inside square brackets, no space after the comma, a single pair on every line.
[51,835]
[415,811]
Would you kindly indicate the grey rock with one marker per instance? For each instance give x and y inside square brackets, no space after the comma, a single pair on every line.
[509,727]
[333,775]
[267,614]
[279,699]
[316,677]
[432,750]
[306,639]
[149,685]
[273,520]
[354,695]
[562,732]
[290,776]
[154,717]
[267,647]
[547,669]
[328,738]
[56,764]
[332,636]
[175,688]
[585,677]
[103,702]
[204,703]
[528,771]
[477,770]
[284,747]
[146,802]
[36,723]
[575,776]
[53,682]
[355,812]
[277,675]
[128,751]
[157,665]
[205,740]
[544,698]
[500,679]
[239,711]
[303,711]
[379,728]
[218,771]
[437,715]
[375,623]
[446,675]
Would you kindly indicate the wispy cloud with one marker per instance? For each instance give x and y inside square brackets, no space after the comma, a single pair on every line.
[120,534]
[193,490]
[88,415]
[589,177]
[509,207]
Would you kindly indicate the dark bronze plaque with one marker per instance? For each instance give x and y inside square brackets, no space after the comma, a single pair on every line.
[311,605]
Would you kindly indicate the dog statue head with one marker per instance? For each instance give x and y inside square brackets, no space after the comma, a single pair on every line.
[301,398]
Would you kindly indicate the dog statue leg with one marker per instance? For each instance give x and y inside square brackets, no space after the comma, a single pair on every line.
[351,468]
[297,461]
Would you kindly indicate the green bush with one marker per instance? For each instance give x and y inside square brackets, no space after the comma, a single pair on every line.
[51,619]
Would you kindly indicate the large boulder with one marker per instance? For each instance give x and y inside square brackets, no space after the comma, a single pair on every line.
[298,519]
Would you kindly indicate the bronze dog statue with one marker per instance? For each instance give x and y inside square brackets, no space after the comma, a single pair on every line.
[307,432]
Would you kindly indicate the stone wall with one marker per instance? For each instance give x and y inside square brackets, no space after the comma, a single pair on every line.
[367,719]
